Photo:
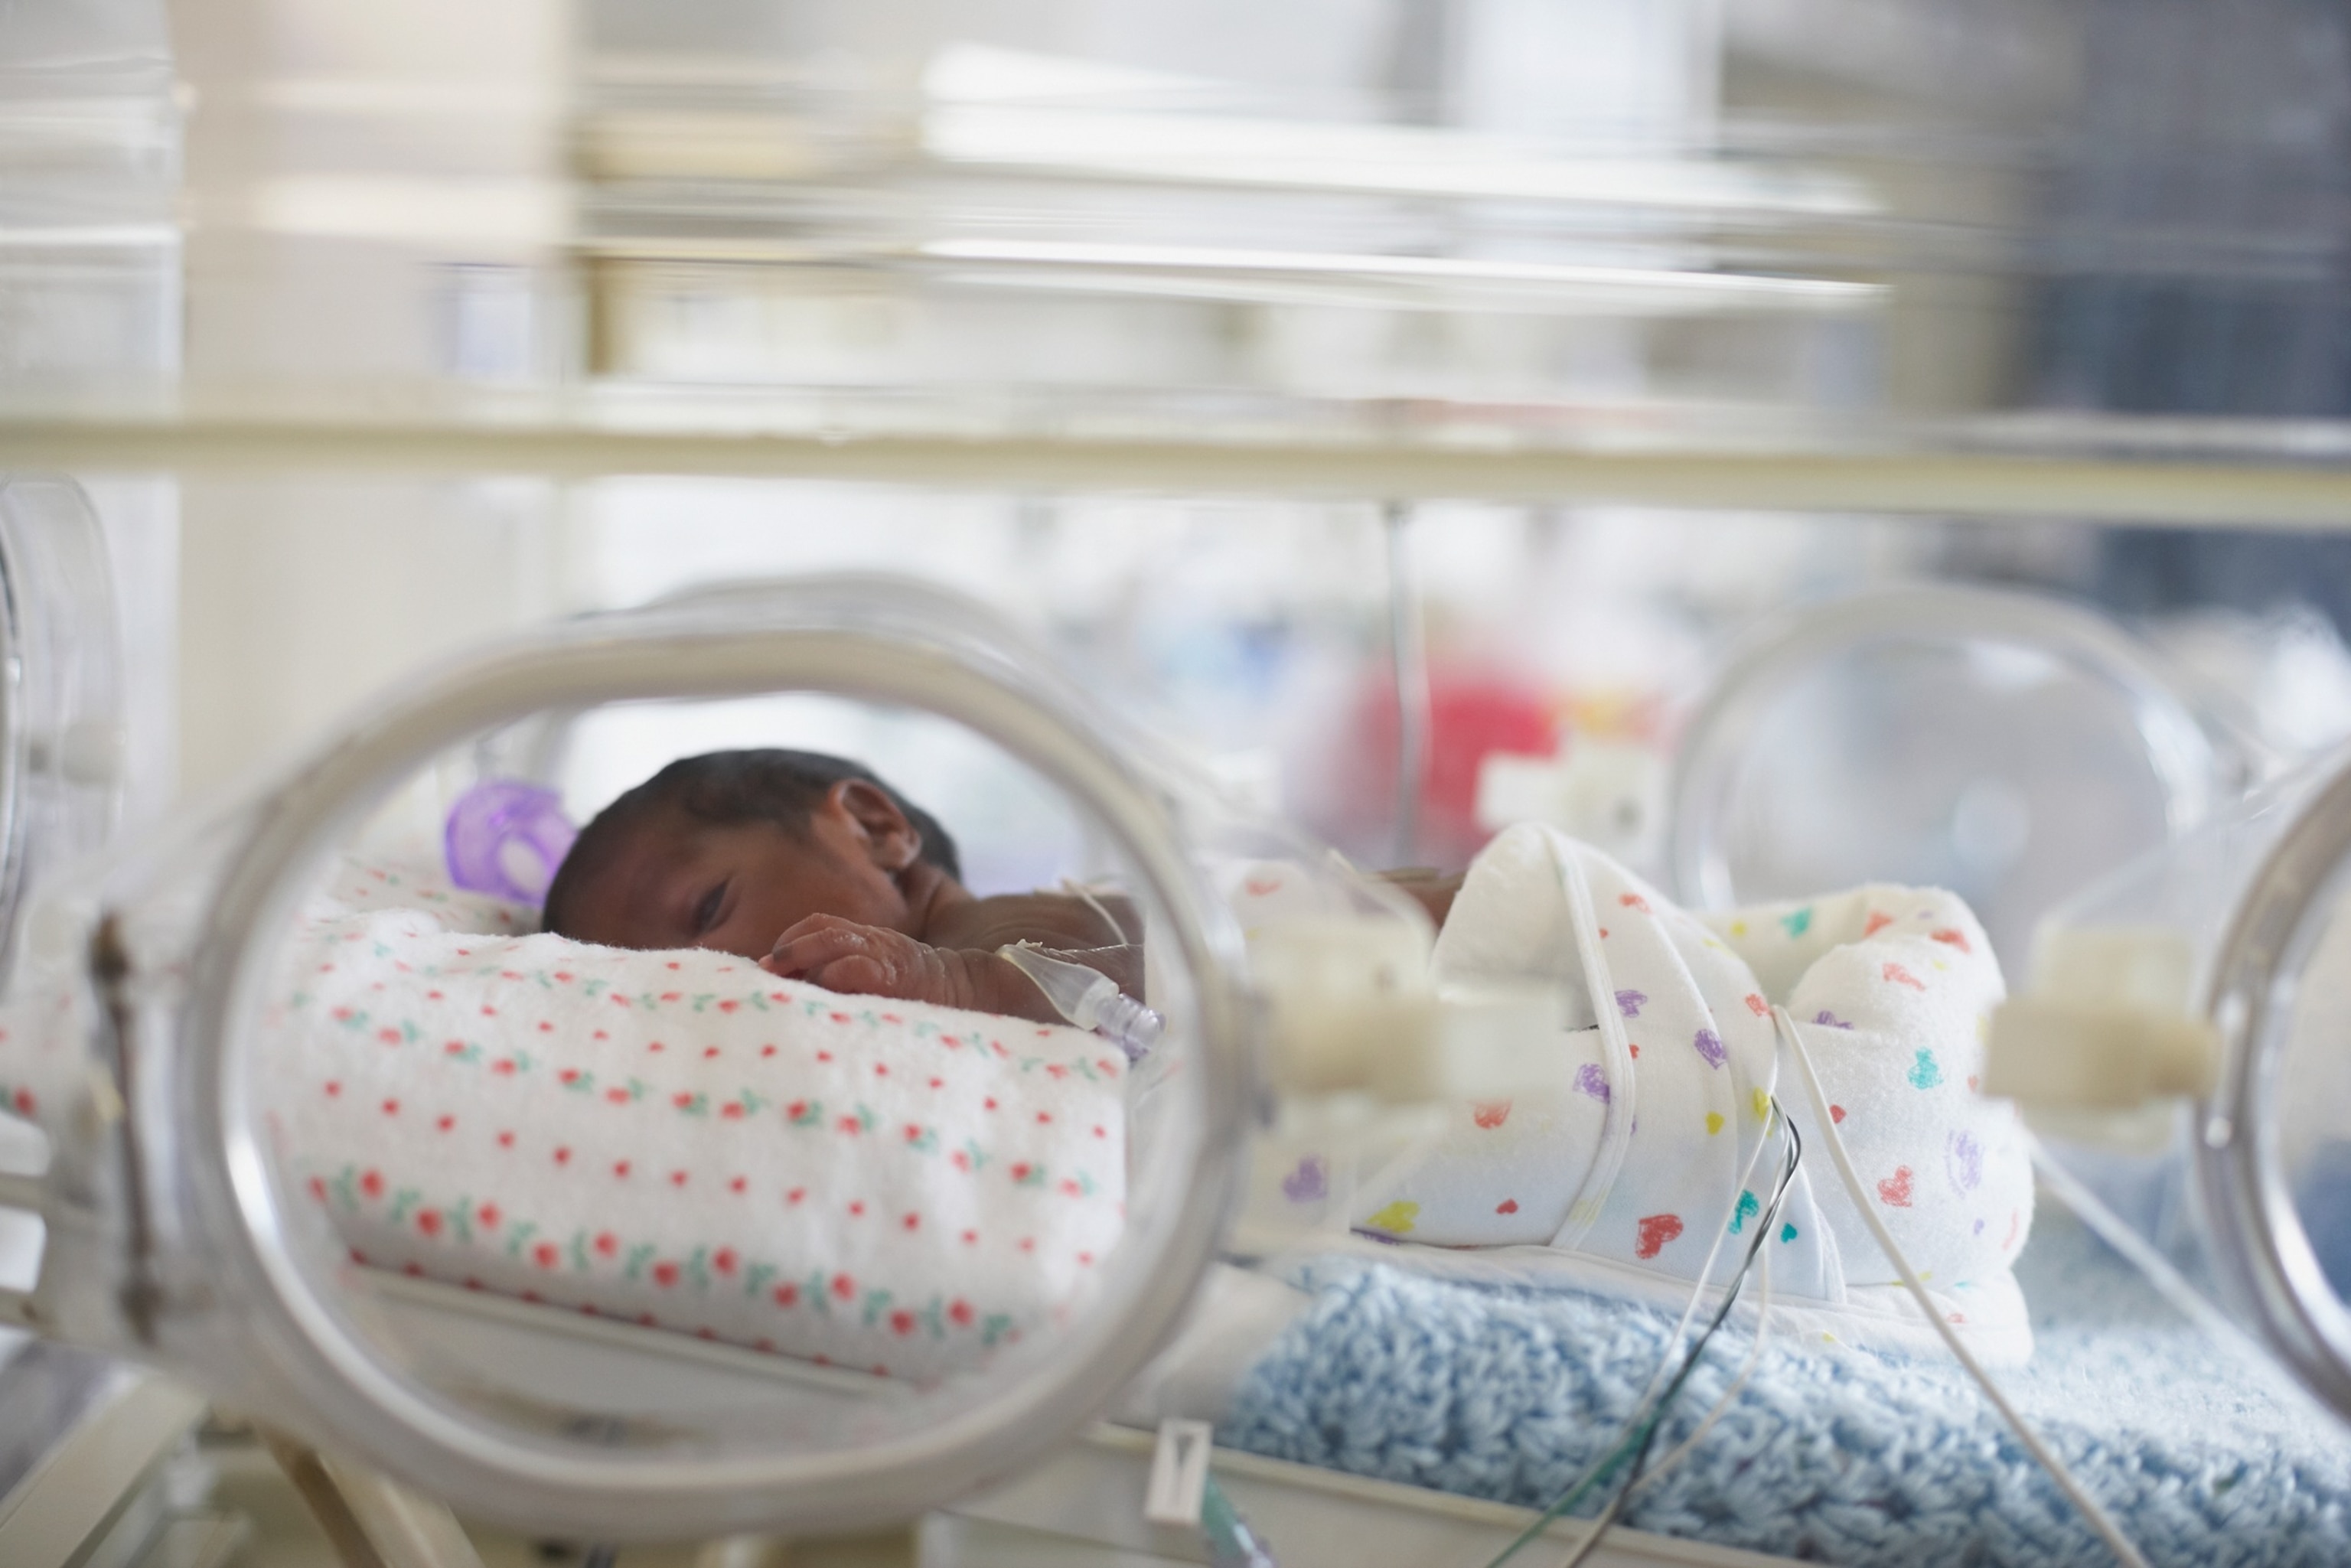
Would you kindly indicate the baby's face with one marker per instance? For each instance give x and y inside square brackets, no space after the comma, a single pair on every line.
[675,883]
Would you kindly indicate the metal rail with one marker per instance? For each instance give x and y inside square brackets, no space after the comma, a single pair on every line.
[2224,490]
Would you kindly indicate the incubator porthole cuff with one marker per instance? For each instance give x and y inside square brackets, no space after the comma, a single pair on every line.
[2010,747]
[181,1234]
[2182,1043]
[2273,1136]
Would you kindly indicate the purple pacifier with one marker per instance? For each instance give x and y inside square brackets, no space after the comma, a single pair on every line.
[505,838]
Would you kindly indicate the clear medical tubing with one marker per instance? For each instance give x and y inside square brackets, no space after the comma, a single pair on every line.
[176,1242]
[2191,758]
[2242,921]
[1089,998]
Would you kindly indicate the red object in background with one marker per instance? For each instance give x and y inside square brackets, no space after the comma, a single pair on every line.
[1473,713]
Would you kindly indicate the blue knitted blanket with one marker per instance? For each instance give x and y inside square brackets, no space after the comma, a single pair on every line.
[1829,1455]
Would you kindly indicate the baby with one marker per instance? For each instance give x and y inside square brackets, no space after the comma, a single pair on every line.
[816,869]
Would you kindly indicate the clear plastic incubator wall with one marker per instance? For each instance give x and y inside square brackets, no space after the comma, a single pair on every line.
[1398,781]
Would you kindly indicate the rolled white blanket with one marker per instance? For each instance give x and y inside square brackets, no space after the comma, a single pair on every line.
[675,1139]
[1630,1166]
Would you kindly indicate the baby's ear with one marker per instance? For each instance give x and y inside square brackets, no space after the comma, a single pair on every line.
[894,842]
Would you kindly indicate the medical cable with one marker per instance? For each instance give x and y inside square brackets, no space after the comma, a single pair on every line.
[1649,1413]
[1738,1384]
[1650,1407]
[1706,1269]
[1705,1273]
[1231,1542]
[2160,1272]
[1655,1423]
[1408,652]
[1756,1250]
[2107,1531]
[1076,889]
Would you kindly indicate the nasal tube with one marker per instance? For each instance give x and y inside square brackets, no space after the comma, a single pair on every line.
[1089,998]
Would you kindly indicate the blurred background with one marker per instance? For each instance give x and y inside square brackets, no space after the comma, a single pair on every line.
[2069,226]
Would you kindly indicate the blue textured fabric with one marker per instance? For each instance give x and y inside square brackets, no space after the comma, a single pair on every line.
[1829,1455]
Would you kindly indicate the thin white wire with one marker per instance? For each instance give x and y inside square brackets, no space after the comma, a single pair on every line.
[1117,932]
[1666,1359]
[1759,1252]
[2165,1275]
[1705,1273]
[1578,889]
[1722,1406]
[2135,1249]
[2109,1532]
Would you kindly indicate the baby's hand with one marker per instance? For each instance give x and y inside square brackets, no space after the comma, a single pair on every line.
[869,961]
[862,960]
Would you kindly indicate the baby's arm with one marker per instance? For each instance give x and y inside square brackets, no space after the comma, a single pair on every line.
[1434,891]
[1054,920]
[865,960]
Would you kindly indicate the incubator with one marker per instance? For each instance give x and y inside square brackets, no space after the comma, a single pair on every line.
[183,1198]
[2176,1035]
[1339,428]
[259,1176]
[273,1315]
[64,776]
[202,1213]
[2010,747]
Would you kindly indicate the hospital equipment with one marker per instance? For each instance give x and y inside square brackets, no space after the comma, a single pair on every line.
[137,1261]
[2012,747]
[493,1339]
[138,1258]
[2180,1016]
[62,771]
[1003,274]
[89,1436]
[1089,999]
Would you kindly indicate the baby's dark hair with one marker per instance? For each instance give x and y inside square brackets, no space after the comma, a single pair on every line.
[721,789]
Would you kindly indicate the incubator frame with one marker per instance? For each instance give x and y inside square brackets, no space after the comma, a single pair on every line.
[2249,1214]
[2186,758]
[264,1314]
[60,653]
[293,1342]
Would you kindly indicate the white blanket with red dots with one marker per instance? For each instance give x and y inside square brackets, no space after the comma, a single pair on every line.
[683,1140]
[1625,1175]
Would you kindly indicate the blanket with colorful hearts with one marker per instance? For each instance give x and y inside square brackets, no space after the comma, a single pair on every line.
[1624,1175]
[677,1139]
